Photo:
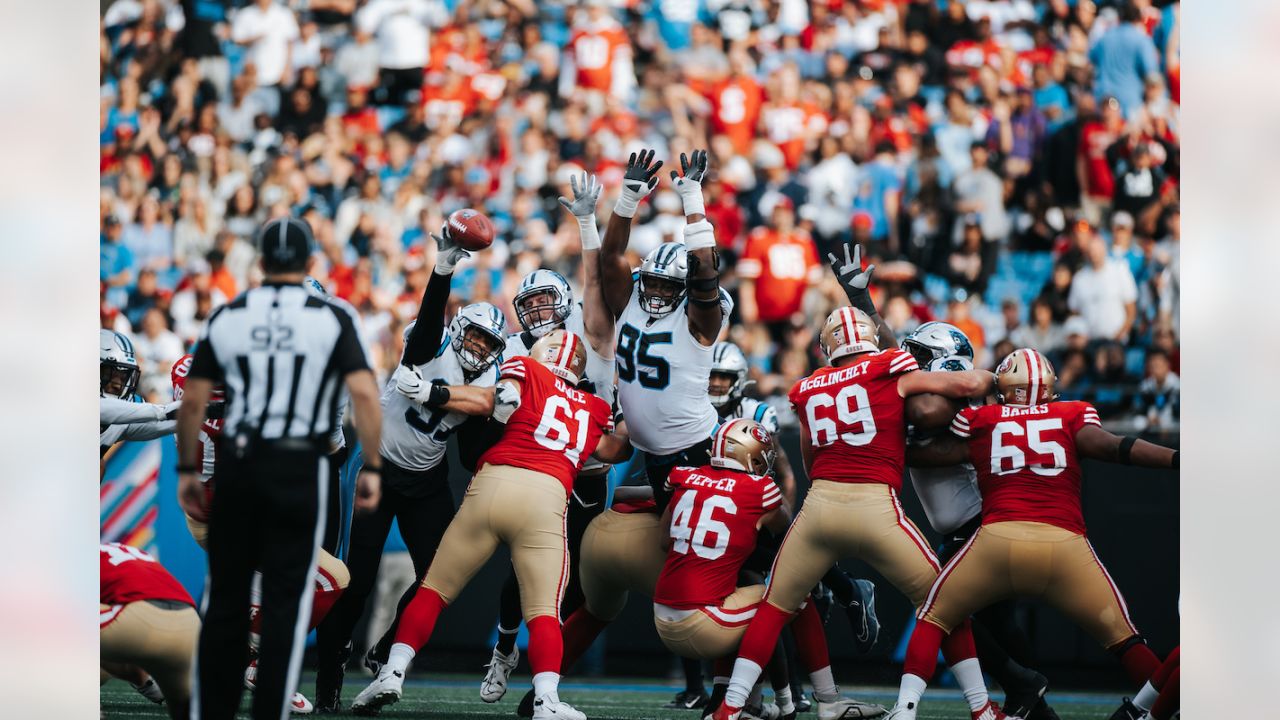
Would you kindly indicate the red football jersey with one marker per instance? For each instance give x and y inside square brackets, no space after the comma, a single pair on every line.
[128,574]
[594,49]
[1026,460]
[856,418]
[556,427]
[714,517]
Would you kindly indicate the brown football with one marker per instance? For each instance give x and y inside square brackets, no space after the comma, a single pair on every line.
[471,229]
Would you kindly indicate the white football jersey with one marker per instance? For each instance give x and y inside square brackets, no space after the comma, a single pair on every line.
[753,409]
[599,368]
[949,495]
[663,373]
[414,437]
[128,420]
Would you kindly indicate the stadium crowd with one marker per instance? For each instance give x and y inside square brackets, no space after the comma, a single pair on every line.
[1011,166]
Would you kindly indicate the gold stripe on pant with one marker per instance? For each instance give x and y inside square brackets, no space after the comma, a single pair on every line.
[1036,560]
[620,552]
[523,509]
[700,637]
[158,640]
[851,520]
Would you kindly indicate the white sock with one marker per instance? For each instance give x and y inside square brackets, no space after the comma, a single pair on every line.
[546,683]
[399,657]
[969,674]
[824,686]
[719,680]
[783,699]
[745,674]
[910,691]
[1146,697]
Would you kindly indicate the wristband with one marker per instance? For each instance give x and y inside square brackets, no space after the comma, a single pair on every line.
[692,200]
[628,203]
[187,469]
[374,470]
[589,233]
[698,235]
[1174,462]
[1126,447]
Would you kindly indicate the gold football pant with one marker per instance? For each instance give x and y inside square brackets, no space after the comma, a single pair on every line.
[523,509]
[621,552]
[712,632]
[160,640]
[1030,559]
[858,520]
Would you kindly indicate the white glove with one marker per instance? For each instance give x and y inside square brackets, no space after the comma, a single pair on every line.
[171,410]
[583,208]
[448,252]
[506,400]
[639,180]
[688,182]
[409,383]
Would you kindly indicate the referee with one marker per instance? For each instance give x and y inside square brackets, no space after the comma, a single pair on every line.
[281,352]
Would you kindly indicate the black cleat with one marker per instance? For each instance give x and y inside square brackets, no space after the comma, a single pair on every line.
[525,708]
[373,662]
[1021,699]
[1126,711]
[688,700]
[862,616]
[803,704]
[329,684]
[1043,712]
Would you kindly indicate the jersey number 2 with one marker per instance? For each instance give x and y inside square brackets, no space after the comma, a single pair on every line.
[636,362]
[686,537]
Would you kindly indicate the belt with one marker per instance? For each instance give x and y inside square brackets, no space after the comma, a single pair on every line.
[299,444]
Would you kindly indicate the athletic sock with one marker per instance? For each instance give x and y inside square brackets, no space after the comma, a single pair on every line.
[546,645]
[692,674]
[399,657]
[579,631]
[762,636]
[782,697]
[1170,698]
[811,638]
[969,674]
[910,691]
[506,640]
[1138,661]
[922,650]
[1146,697]
[419,619]
[824,685]
[745,674]
[546,683]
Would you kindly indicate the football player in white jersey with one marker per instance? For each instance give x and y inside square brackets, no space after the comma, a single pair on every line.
[418,417]
[120,415]
[953,506]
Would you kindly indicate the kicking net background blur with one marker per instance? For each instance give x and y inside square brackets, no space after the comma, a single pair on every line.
[1011,166]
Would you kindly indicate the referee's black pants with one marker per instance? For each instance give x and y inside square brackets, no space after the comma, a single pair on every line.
[267,514]
[423,504]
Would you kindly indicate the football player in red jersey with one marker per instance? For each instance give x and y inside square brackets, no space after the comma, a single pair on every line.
[1027,450]
[853,418]
[518,497]
[147,620]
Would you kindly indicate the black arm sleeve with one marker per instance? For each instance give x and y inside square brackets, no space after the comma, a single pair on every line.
[424,339]
[348,353]
[204,364]
[475,436]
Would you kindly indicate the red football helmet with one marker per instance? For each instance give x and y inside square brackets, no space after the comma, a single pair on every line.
[178,376]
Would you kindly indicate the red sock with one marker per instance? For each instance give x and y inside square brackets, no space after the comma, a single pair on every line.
[1167,704]
[922,650]
[327,593]
[762,634]
[546,644]
[811,639]
[1139,662]
[580,630]
[958,645]
[1167,668]
[419,618]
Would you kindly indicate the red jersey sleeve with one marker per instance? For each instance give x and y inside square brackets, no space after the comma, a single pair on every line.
[771,494]
[675,478]
[1084,414]
[514,369]
[901,362]
[960,423]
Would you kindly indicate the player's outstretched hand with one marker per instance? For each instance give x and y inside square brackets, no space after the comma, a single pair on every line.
[692,169]
[368,492]
[191,496]
[448,252]
[640,178]
[585,196]
[850,272]
[409,381]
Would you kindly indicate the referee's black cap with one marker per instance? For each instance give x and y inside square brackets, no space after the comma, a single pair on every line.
[286,244]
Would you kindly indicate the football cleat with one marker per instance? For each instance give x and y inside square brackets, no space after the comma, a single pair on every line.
[371,661]
[803,704]
[549,707]
[298,704]
[385,690]
[150,690]
[1019,701]
[861,612]
[688,700]
[902,712]
[525,708]
[329,683]
[1042,711]
[989,712]
[848,709]
[727,712]
[1127,711]
[500,667]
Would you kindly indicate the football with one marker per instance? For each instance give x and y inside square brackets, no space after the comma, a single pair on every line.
[471,229]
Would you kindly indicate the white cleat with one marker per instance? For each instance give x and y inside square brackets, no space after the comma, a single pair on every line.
[298,704]
[549,707]
[847,709]
[768,711]
[902,712]
[500,667]
[150,690]
[385,690]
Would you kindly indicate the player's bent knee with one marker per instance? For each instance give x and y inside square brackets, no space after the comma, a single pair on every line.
[336,570]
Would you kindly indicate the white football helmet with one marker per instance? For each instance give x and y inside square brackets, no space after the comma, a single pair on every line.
[727,359]
[478,336]
[539,284]
[937,341]
[662,279]
[118,371]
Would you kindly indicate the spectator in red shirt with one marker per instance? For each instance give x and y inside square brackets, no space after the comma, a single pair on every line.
[782,258]
[1096,180]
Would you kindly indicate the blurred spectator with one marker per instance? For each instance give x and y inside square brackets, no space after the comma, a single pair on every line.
[1124,57]
[144,296]
[193,304]
[268,30]
[782,259]
[979,190]
[357,61]
[961,315]
[115,260]
[1041,333]
[157,348]
[879,195]
[1104,294]
[598,57]
[400,27]
[1017,132]
[1157,403]
[1138,182]
[1122,244]
[1097,183]
[966,266]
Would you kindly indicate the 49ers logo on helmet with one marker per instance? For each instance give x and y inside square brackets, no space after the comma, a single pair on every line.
[759,434]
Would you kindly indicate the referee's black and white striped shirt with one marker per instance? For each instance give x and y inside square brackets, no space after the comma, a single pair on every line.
[282,354]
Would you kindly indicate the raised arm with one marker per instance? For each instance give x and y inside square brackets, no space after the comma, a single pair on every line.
[1094,442]
[424,339]
[597,318]
[929,411]
[856,282]
[639,180]
[706,316]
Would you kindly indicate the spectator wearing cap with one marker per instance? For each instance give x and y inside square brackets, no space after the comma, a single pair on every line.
[115,260]
[1122,244]
[198,293]
[403,39]
[268,30]
[879,195]
[979,190]
[781,262]
[1104,294]
[1123,58]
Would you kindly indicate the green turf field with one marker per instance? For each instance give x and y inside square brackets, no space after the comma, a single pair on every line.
[613,699]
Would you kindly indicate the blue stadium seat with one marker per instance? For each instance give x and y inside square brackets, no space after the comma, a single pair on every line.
[1135,361]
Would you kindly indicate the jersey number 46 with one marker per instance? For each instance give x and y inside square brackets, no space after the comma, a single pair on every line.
[686,536]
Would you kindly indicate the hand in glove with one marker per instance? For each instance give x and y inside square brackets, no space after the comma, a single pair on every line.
[688,182]
[448,252]
[640,178]
[853,278]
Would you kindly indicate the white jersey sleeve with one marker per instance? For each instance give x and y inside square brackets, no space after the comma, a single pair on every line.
[114,411]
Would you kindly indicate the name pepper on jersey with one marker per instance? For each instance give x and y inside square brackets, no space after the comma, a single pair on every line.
[856,419]
[556,427]
[715,514]
[1026,460]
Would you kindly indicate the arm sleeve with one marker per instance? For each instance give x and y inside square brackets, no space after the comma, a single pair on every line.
[348,353]
[149,430]
[204,364]
[114,411]
[901,363]
[427,334]
[960,423]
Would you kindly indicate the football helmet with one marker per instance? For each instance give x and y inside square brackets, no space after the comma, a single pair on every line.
[662,279]
[935,341]
[118,371]
[848,331]
[178,378]
[1025,377]
[563,353]
[478,336]
[552,292]
[727,359]
[314,287]
[743,444]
